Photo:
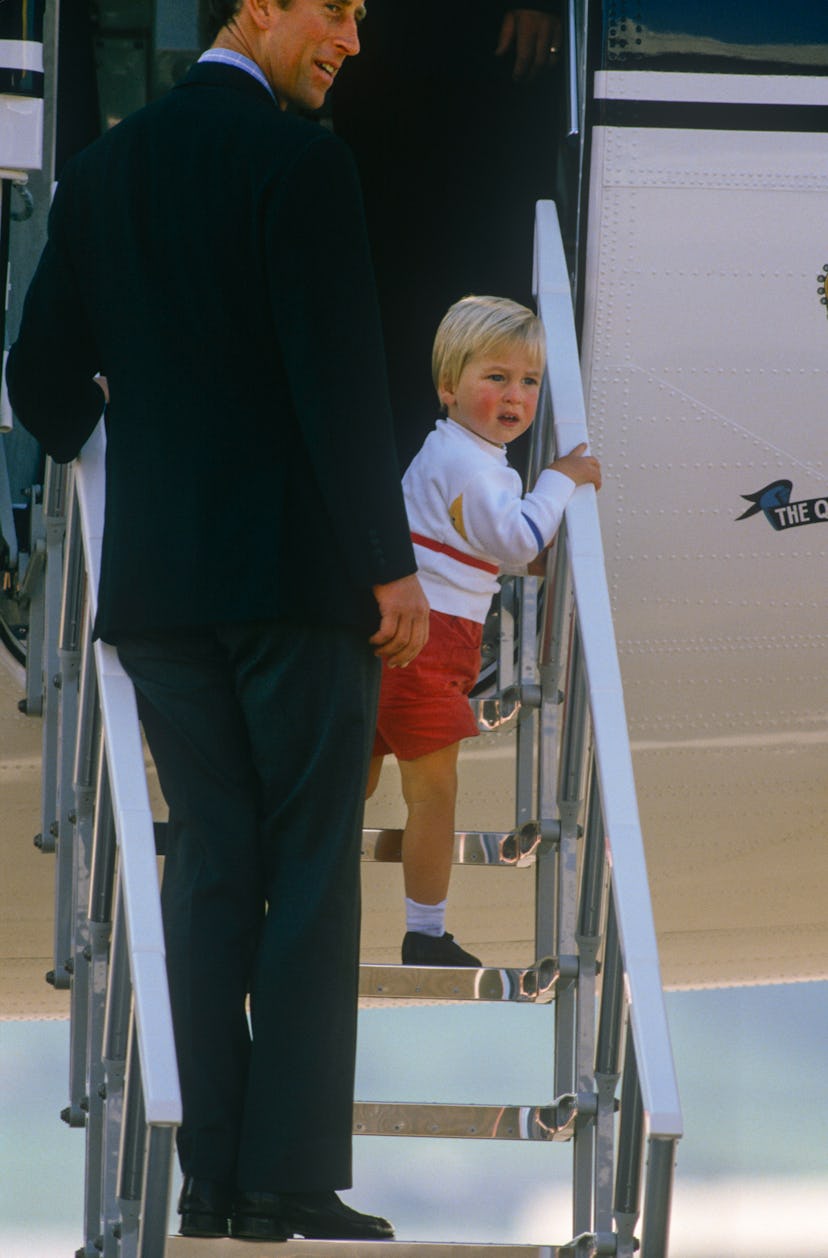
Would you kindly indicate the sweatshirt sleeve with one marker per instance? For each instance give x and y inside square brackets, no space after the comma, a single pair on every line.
[497,520]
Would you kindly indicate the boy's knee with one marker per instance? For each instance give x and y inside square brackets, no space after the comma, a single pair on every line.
[431,778]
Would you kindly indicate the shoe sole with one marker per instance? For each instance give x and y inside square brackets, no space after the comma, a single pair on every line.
[253,1227]
[262,1229]
[205,1226]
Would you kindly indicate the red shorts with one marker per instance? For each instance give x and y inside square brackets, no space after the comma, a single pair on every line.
[425,707]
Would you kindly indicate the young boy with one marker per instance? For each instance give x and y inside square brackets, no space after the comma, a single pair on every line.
[468,516]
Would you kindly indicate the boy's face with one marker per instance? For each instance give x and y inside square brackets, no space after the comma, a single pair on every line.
[495,397]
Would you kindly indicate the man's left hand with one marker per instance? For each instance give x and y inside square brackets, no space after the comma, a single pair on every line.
[403,630]
[535,38]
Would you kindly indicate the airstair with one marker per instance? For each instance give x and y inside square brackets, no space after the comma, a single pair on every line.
[611,1093]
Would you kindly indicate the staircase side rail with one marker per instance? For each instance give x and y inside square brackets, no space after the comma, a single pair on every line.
[613,757]
[133,823]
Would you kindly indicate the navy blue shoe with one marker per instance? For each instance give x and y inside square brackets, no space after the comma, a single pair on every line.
[264,1216]
[420,949]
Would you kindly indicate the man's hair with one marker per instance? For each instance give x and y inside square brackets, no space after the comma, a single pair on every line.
[219,13]
[475,327]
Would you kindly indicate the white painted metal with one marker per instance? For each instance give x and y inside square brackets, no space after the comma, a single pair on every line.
[733,89]
[21,132]
[705,353]
[21,54]
[609,722]
[133,823]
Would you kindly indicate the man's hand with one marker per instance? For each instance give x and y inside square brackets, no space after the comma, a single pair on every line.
[535,37]
[403,630]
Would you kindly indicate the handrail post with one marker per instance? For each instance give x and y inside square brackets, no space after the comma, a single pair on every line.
[156,1195]
[83,777]
[52,798]
[98,908]
[573,735]
[630,1152]
[32,594]
[550,658]
[588,933]
[132,1151]
[114,1055]
[75,783]
[526,598]
[607,1074]
[661,1155]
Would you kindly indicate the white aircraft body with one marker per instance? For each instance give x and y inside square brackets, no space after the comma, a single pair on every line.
[701,274]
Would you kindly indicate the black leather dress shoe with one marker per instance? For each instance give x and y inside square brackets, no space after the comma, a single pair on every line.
[256,1216]
[264,1216]
[418,949]
[204,1206]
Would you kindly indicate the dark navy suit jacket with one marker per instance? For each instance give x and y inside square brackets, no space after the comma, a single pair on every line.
[209,256]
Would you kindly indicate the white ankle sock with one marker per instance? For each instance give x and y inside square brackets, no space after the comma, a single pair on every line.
[426,919]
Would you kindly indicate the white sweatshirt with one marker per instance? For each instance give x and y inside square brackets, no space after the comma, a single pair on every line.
[469,517]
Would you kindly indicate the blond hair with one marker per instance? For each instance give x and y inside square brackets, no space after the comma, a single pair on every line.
[475,327]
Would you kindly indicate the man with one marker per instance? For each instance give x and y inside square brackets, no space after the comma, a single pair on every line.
[454,147]
[208,258]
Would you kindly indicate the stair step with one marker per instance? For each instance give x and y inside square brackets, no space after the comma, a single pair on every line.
[534,985]
[468,1122]
[514,848]
[188,1247]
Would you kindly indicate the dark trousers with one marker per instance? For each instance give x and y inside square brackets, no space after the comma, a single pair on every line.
[261,734]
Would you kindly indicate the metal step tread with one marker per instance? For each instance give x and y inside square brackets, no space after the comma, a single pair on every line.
[534,985]
[515,849]
[187,1247]
[555,1121]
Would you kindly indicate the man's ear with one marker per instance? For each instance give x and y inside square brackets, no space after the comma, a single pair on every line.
[258,11]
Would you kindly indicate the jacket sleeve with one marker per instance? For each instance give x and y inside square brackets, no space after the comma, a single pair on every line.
[327,322]
[51,366]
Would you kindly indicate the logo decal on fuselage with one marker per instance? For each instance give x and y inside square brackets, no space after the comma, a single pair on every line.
[775,501]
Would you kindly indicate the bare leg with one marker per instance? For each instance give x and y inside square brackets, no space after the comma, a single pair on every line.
[374,770]
[429,786]
[388,846]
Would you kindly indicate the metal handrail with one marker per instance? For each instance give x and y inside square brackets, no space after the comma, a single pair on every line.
[609,722]
[133,820]
[109,942]
[594,691]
